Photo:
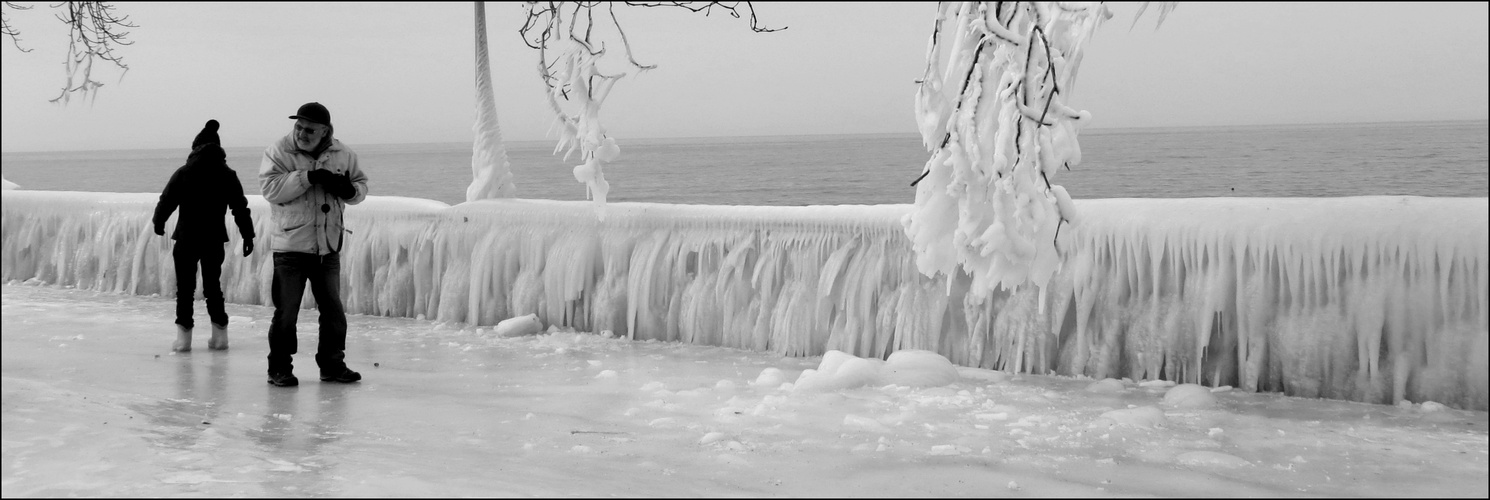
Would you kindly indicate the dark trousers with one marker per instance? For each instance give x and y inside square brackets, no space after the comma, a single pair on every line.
[291,271]
[187,254]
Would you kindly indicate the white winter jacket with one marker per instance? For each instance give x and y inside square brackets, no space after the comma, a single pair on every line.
[305,218]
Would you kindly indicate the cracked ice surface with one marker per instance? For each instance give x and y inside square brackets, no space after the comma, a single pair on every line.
[95,405]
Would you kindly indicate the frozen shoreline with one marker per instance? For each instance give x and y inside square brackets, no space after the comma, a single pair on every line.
[1375,299]
[91,410]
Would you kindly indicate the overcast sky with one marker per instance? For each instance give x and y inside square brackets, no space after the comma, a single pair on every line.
[403,72]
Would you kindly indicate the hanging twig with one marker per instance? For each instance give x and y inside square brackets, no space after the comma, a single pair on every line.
[545,19]
[11,31]
[1049,75]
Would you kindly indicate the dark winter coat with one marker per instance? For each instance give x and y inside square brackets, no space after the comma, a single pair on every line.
[205,188]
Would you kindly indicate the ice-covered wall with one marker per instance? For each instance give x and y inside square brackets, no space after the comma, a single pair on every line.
[1368,298]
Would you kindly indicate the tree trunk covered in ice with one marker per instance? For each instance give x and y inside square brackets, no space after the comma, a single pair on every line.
[491,173]
[991,111]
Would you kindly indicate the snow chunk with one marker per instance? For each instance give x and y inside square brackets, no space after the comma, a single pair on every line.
[838,370]
[519,326]
[917,368]
[1190,396]
[911,367]
[770,378]
[712,437]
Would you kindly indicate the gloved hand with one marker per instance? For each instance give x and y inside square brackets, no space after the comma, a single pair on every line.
[319,177]
[340,186]
[248,246]
[160,230]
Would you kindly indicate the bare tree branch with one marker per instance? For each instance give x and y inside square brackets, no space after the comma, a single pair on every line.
[94,34]
[546,19]
[569,63]
[8,30]
[94,31]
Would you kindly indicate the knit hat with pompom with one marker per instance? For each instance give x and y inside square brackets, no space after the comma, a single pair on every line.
[207,135]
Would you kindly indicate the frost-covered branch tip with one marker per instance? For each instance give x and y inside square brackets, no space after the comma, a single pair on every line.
[991,110]
[572,49]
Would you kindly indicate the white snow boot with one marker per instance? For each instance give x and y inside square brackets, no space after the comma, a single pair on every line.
[183,339]
[219,340]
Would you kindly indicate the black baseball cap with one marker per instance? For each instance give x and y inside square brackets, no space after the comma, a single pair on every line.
[313,112]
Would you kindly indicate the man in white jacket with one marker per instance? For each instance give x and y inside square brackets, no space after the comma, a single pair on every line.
[308,177]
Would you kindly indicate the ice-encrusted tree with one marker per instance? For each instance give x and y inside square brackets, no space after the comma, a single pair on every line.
[991,110]
[94,30]
[491,171]
[583,52]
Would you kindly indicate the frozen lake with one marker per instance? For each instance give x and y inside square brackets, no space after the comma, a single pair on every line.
[96,405]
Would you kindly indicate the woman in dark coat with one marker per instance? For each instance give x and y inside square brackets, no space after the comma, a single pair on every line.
[204,189]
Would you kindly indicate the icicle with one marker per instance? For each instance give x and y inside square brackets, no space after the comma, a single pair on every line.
[1370,298]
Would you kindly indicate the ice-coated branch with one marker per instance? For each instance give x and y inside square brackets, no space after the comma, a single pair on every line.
[985,202]
[570,62]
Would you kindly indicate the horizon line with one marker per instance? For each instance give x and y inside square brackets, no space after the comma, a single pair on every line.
[912,133]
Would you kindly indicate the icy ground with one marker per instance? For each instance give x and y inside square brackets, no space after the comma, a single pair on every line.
[96,405]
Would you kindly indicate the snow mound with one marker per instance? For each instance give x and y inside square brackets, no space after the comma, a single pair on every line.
[770,378]
[838,370]
[1190,396]
[911,367]
[917,368]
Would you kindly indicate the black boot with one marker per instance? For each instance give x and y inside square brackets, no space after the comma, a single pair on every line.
[283,379]
[282,371]
[333,369]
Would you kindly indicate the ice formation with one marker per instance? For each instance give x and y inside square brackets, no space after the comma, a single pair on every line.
[1377,299]
[527,324]
[491,173]
[582,53]
[576,82]
[998,130]
[907,367]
